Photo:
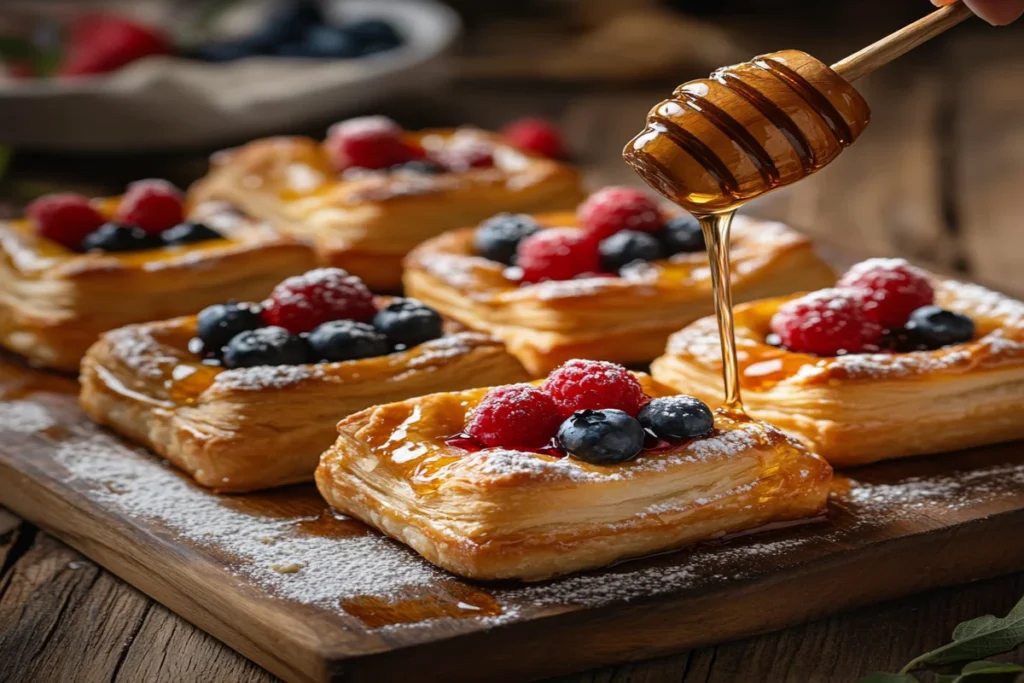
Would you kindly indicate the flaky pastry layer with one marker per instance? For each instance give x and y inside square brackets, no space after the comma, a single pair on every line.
[256,428]
[861,408]
[623,319]
[367,222]
[499,514]
[54,303]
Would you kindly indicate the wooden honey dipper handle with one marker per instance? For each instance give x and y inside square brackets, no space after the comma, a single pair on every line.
[879,54]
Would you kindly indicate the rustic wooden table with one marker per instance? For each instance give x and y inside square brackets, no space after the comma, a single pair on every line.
[937,178]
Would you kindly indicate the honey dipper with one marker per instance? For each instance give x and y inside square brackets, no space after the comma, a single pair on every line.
[754,127]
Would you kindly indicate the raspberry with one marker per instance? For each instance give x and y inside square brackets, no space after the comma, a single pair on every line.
[101,43]
[826,323]
[372,142]
[64,218]
[535,135]
[153,205]
[894,289]
[557,254]
[607,211]
[515,416]
[461,155]
[303,302]
[594,385]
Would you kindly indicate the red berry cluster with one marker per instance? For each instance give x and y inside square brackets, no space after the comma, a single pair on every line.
[565,253]
[871,298]
[67,218]
[377,142]
[303,302]
[527,416]
[535,135]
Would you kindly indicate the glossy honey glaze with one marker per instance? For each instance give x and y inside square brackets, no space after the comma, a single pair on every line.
[418,442]
[176,376]
[29,253]
[748,129]
[299,169]
[998,343]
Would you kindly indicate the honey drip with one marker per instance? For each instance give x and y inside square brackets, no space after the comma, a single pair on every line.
[716,227]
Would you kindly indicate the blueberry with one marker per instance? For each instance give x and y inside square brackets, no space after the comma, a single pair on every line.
[265,346]
[226,51]
[602,437]
[424,166]
[628,246]
[340,340]
[931,327]
[293,48]
[114,237]
[681,234]
[288,25]
[331,42]
[677,418]
[375,35]
[408,322]
[217,324]
[498,237]
[187,233]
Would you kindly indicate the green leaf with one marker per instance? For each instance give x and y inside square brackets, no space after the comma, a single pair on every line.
[880,677]
[977,639]
[993,668]
[975,670]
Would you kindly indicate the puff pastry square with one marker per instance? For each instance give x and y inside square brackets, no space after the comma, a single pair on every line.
[54,303]
[366,222]
[624,319]
[499,514]
[861,408]
[255,428]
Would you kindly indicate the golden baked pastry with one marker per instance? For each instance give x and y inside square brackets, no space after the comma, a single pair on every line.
[55,302]
[497,513]
[625,319]
[365,222]
[259,427]
[863,407]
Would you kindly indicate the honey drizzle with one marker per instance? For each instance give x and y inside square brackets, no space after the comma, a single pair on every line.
[716,228]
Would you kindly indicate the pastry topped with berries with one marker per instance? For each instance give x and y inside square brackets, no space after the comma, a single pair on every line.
[611,281]
[371,191]
[892,361]
[592,465]
[245,395]
[75,267]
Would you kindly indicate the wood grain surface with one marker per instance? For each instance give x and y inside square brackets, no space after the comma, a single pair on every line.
[934,178]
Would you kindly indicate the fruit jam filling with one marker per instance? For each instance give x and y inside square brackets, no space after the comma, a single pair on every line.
[325,315]
[592,410]
[617,226]
[150,215]
[878,305]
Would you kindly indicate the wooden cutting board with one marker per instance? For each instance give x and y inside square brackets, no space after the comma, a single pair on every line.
[316,597]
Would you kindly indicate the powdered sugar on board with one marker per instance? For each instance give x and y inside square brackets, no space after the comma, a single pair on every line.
[279,555]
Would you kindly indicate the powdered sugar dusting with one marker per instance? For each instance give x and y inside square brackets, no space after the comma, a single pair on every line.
[263,377]
[331,568]
[509,463]
[24,417]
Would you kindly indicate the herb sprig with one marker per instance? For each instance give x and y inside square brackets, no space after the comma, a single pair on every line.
[973,641]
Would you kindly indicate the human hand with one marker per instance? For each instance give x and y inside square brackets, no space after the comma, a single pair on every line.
[995,12]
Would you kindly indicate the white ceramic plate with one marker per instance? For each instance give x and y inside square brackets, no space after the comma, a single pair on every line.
[167,102]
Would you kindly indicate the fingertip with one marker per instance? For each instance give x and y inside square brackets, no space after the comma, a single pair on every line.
[997,12]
